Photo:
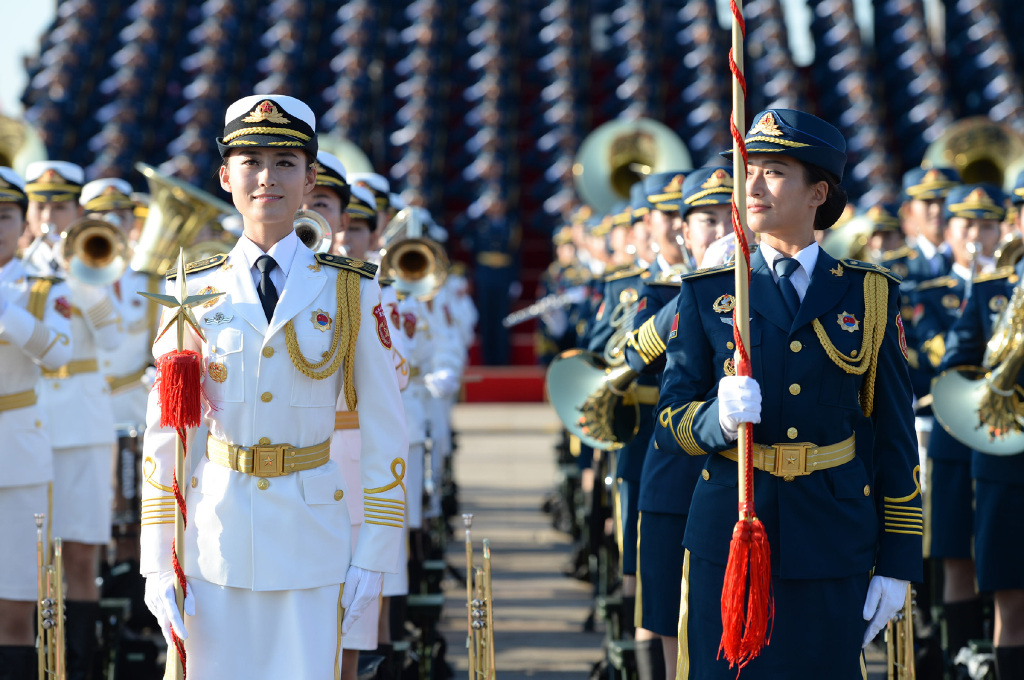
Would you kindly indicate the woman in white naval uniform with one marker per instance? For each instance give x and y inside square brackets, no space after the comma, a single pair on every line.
[34,332]
[268,557]
[76,400]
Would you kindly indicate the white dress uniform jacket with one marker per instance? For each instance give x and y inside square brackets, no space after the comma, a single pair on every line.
[290,531]
[125,368]
[45,343]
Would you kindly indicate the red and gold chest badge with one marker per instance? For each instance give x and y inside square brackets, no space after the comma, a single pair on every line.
[903,337]
[997,303]
[396,319]
[848,322]
[950,301]
[643,304]
[322,321]
[209,290]
[675,327]
[62,307]
[382,327]
[409,324]
[217,372]
[600,311]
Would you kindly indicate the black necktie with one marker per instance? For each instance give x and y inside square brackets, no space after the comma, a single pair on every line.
[268,292]
[786,267]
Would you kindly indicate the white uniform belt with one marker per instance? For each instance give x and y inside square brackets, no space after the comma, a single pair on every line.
[267,460]
[73,368]
[796,460]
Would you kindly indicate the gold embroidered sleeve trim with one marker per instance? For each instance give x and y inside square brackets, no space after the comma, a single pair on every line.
[683,432]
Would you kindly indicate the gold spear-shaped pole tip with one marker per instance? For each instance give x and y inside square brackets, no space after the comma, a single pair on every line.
[182,304]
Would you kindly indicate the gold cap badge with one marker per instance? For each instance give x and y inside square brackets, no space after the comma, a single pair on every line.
[266,110]
[719,178]
[767,126]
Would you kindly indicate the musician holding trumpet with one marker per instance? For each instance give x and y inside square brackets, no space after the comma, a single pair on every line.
[273,581]
[76,398]
[34,333]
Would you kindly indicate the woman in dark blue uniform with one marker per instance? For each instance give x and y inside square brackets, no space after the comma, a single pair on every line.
[836,478]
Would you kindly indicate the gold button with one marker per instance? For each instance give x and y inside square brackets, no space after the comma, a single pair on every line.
[867,489]
[262,485]
[339,494]
[264,441]
[213,348]
[729,345]
[791,433]
[39,423]
[194,482]
[266,396]
[794,389]
[56,385]
[268,352]
[705,474]
[796,346]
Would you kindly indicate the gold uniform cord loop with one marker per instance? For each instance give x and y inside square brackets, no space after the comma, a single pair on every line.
[343,342]
[876,301]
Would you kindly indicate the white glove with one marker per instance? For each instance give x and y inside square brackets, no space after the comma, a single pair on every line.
[441,384]
[739,401]
[159,598]
[885,599]
[557,322]
[362,589]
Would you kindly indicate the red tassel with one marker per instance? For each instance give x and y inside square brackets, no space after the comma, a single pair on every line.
[180,376]
[746,613]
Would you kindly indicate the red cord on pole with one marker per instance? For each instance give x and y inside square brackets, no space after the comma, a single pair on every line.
[747,604]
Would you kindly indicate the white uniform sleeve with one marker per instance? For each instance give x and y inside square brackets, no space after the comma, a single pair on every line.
[99,311]
[46,342]
[159,451]
[385,442]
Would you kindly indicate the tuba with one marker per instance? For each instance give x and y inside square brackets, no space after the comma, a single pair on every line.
[313,230]
[983,407]
[178,212]
[595,402]
[94,251]
[20,144]
[620,153]
[981,149]
[350,155]
[415,264]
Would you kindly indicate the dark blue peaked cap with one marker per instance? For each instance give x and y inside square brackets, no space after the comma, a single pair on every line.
[798,135]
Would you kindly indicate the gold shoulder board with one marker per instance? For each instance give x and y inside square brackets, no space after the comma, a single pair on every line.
[898,253]
[727,267]
[941,282]
[197,266]
[367,269]
[623,273]
[869,267]
[1001,273]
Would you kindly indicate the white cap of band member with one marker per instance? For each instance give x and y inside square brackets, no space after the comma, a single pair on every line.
[268,120]
[53,181]
[378,183]
[12,187]
[67,170]
[397,202]
[109,193]
[362,204]
[332,164]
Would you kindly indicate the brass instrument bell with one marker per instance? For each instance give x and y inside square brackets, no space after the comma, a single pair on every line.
[313,230]
[94,252]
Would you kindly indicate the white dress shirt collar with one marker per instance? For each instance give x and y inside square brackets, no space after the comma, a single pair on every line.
[283,253]
[808,257]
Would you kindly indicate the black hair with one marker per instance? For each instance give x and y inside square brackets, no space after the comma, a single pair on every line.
[831,210]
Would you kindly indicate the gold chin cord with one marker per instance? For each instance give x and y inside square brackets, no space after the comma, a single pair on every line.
[50,612]
[479,610]
[899,641]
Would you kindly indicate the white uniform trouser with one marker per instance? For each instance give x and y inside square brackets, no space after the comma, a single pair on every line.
[83,493]
[255,635]
[18,567]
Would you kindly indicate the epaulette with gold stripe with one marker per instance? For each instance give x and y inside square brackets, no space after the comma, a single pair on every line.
[1001,273]
[899,254]
[870,267]
[367,269]
[941,282]
[622,272]
[197,266]
[727,267]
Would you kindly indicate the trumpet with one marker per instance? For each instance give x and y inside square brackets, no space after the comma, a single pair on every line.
[899,641]
[479,610]
[94,251]
[313,230]
[417,265]
[50,612]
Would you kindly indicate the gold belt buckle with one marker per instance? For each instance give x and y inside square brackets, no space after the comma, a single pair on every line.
[791,461]
[268,461]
